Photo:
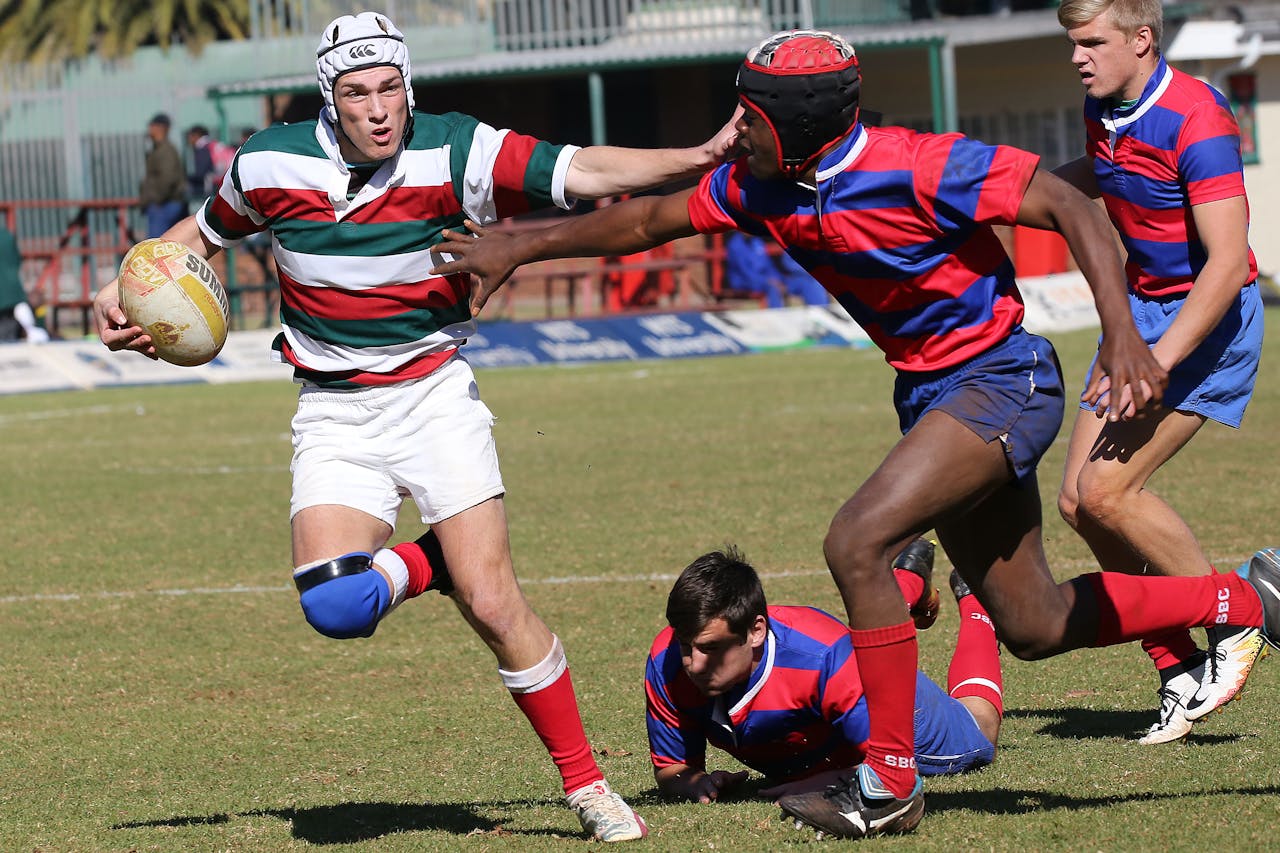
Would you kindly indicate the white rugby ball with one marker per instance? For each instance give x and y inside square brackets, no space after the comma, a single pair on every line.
[176,296]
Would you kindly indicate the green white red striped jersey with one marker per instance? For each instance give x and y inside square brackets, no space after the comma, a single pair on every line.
[358,303]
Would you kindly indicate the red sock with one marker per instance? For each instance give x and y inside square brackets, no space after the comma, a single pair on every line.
[1132,607]
[912,586]
[975,665]
[545,694]
[1170,648]
[887,659]
[418,557]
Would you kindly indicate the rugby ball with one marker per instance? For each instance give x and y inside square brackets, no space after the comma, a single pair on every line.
[176,296]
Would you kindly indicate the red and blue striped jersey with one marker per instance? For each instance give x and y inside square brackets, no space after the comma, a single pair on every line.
[800,712]
[1178,146]
[898,230]
[358,302]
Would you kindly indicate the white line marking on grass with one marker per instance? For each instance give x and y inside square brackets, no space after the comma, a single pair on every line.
[552,581]
[656,576]
[242,590]
[139,593]
[50,414]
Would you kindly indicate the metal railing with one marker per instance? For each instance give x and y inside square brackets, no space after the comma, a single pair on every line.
[71,248]
[62,271]
[283,18]
[549,24]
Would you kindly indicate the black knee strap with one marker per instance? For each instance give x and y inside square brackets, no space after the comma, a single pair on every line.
[430,545]
[441,582]
[347,564]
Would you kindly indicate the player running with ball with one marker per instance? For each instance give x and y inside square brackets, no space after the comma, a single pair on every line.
[355,202]
[897,225]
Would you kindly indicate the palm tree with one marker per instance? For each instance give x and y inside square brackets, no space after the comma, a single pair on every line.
[53,30]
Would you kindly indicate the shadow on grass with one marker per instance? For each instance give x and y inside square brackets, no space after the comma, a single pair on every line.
[1009,801]
[347,823]
[1006,801]
[1077,723]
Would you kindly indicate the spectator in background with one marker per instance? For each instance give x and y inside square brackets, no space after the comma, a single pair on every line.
[750,267]
[201,173]
[161,193]
[210,159]
[17,320]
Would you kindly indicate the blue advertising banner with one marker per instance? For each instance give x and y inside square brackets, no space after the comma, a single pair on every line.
[598,339]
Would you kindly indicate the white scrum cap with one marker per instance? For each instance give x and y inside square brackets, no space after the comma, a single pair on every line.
[353,42]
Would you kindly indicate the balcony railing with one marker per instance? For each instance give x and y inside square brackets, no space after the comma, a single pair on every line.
[518,25]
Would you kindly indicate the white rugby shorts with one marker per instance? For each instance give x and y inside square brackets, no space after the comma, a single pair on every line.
[370,448]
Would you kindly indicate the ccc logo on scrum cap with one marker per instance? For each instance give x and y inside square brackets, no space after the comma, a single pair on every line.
[362,51]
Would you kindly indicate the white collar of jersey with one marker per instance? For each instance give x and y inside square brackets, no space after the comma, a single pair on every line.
[1113,123]
[759,675]
[390,174]
[843,154]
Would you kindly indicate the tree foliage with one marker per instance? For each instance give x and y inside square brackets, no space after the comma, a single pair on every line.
[53,30]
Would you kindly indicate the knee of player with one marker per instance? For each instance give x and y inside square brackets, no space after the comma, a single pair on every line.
[987,717]
[494,611]
[343,598]
[990,729]
[1068,507]
[1098,503]
[1028,645]
[851,553]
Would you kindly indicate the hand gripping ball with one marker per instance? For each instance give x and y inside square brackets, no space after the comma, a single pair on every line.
[176,296]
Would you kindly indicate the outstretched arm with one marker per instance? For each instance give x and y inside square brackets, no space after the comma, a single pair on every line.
[619,229]
[605,170]
[1128,377]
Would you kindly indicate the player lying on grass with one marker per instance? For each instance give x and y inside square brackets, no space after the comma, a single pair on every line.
[897,225]
[777,687]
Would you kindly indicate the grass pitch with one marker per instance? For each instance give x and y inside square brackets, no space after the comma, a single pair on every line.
[159,689]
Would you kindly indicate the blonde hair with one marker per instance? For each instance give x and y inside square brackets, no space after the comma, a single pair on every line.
[1127,15]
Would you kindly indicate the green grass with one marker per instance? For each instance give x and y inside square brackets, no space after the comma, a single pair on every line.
[159,689]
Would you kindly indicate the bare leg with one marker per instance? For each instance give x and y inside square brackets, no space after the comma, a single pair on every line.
[986,715]
[478,553]
[1105,496]
[902,499]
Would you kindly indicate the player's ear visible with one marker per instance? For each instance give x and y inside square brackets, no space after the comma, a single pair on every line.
[758,631]
[1143,40]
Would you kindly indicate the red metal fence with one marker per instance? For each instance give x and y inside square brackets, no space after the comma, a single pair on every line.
[71,248]
[62,270]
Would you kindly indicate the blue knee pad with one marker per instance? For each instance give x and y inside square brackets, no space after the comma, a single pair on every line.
[344,598]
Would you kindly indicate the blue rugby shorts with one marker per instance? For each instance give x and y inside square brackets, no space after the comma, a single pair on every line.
[1013,393]
[948,739]
[1216,380]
